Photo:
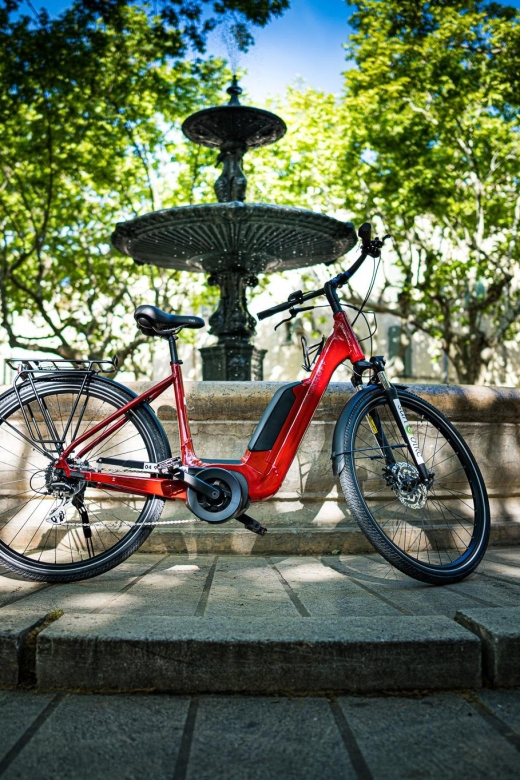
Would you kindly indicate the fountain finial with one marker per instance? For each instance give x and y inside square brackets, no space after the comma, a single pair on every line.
[234,91]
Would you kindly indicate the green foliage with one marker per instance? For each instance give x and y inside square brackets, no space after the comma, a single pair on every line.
[432,111]
[425,143]
[173,25]
[86,112]
[302,169]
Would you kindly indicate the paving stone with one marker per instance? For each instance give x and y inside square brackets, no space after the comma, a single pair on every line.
[503,563]
[99,737]
[405,594]
[324,591]
[13,589]
[185,655]
[499,631]
[14,626]
[505,555]
[438,736]
[248,587]
[18,711]
[175,587]
[505,705]
[265,738]
[88,595]
[488,591]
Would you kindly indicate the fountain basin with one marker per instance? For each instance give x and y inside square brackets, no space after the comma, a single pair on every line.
[254,237]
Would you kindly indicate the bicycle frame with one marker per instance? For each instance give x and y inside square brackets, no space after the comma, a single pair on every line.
[264,470]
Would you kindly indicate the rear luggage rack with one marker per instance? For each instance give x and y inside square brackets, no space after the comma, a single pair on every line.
[35,365]
[44,432]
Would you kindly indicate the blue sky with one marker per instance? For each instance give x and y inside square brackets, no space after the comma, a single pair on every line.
[306,42]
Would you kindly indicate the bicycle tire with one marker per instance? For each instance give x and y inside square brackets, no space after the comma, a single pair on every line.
[30,544]
[437,535]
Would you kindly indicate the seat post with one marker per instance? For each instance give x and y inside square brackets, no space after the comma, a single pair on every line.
[174,358]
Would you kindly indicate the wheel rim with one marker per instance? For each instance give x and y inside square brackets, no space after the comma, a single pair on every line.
[439,528]
[28,494]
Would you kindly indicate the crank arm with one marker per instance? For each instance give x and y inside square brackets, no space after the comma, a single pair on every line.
[197,484]
[251,524]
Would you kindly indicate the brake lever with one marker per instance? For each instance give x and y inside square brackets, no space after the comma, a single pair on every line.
[373,248]
[293,313]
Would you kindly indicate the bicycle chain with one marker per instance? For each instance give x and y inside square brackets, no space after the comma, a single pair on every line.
[130,525]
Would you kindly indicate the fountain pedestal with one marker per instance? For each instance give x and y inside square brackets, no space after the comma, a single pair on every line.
[232,361]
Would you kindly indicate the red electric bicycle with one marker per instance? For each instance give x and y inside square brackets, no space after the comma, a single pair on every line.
[87,466]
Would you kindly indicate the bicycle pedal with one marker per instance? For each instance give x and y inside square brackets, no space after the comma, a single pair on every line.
[252,525]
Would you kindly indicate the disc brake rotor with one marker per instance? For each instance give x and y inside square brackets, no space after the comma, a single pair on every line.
[403,479]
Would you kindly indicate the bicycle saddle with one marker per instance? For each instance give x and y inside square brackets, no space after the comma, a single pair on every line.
[151,320]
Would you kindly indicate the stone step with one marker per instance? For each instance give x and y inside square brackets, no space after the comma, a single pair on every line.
[114,652]
[15,628]
[202,539]
[195,623]
[499,632]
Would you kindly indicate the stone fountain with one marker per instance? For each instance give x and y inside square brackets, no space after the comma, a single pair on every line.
[231,240]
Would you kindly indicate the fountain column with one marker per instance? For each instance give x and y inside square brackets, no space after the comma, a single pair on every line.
[234,357]
[233,129]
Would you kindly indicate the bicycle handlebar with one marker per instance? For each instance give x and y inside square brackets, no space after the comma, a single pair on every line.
[294,299]
[369,247]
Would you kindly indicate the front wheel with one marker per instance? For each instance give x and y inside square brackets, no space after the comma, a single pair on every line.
[437,533]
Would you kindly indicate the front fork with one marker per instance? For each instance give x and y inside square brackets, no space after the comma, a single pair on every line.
[376,365]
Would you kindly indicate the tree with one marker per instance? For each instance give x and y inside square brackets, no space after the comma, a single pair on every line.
[88,103]
[431,131]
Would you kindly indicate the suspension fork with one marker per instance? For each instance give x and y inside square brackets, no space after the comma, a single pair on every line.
[377,429]
[377,365]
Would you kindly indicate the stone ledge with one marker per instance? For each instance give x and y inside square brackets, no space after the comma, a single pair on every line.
[247,400]
[285,540]
[499,632]
[13,629]
[188,655]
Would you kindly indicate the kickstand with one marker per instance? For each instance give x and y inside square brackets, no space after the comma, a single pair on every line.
[252,525]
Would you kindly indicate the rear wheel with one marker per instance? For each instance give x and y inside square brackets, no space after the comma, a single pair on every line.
[55,531]
[437,533]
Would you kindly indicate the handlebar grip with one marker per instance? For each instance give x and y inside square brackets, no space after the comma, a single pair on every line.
[262,315]
[365,232]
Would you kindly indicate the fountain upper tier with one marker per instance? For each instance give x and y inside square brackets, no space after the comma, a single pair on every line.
[252,237]
[242,127]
